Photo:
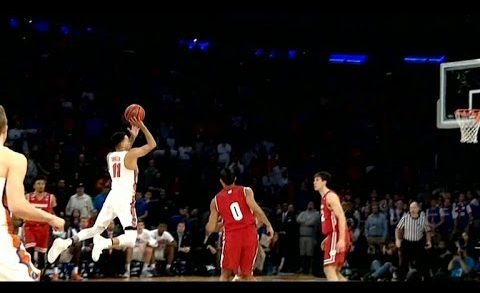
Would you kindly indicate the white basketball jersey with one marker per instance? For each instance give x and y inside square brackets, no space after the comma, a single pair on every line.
[4,213]
[124,181]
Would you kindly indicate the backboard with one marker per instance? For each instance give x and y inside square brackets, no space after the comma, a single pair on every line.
[459,89]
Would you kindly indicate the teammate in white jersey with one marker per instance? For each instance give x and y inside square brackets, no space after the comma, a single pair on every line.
[120,202]
[15,262]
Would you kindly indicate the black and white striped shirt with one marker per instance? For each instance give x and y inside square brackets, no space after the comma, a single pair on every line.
[413,228]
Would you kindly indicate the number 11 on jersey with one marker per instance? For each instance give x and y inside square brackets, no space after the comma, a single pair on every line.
[116,170]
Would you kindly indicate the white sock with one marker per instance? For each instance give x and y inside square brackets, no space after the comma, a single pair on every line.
[127,268]
[168,266]
[56,270]
[75,270]
[145,267]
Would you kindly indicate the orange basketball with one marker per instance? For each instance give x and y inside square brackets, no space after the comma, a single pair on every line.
[134,110]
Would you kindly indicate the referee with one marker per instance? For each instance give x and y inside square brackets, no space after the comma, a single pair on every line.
[413,237]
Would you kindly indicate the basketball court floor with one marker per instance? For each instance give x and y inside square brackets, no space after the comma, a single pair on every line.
[277,278]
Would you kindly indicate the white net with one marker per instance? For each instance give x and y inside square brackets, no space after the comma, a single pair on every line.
[468,120]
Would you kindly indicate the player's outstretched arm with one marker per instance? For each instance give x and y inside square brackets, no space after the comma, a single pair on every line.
[257,211]
[148,147]
[16,200]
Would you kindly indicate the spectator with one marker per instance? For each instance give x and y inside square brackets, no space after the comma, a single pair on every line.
[376,227]
[80,201]
[308,221]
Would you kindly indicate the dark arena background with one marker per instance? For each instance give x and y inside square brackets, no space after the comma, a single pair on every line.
[276,97]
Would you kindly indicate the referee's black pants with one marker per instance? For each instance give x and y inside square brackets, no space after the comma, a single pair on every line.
[413,253]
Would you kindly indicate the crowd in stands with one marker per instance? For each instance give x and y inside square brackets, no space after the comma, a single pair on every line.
[275,123]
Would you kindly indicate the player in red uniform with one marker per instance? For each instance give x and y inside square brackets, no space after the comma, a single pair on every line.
[334,226]
[37,234]
[239,211]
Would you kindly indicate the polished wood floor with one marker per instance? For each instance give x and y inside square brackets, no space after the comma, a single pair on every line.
[277,278]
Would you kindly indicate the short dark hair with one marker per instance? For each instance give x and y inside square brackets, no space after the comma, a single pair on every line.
[228,176]
[116,138]
[324,175]
[40,177]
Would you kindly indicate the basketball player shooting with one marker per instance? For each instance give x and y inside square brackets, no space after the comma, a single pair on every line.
[239,210]
[15,262]
[120,202]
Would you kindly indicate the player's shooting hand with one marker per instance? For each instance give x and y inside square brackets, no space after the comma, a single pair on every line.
[133,131]
[57,223]
[135,122]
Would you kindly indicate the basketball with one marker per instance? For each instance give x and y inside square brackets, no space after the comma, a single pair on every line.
[134,110]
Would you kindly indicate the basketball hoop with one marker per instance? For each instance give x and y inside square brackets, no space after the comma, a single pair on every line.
[469,122]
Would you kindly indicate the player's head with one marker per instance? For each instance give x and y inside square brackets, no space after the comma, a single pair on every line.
[3,121]
[227,177]
[119,141]
[321,179]
[39,184]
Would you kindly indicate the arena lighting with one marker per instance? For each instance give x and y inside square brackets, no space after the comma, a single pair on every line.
[41,26]
[13,22]
[272,54]
[348,58]
[425,59]
[193,44]
[292,54]
[258,53]
[203,46]
[64,29]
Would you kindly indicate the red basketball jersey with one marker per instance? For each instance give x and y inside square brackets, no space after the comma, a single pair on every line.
[233,208]
[329,221]
[44,203]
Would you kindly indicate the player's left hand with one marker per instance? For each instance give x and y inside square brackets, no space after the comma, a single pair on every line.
[340,246]
[133,131]
[135,122]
